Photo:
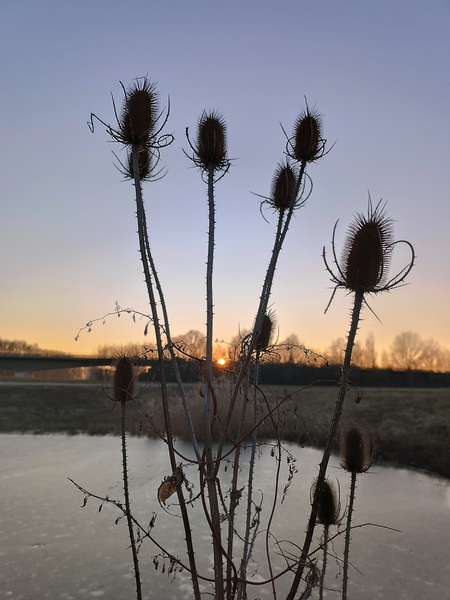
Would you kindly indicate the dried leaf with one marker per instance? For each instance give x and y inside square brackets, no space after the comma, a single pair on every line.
[165,490]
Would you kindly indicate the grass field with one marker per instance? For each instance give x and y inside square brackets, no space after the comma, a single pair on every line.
[410,427]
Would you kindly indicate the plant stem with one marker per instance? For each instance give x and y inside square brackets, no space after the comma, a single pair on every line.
[127,505]
[347,535]
[142,233]
[357,306]
[247,550]
[207,423]
[235,494]
[282,230]
[324,561]
[170,344]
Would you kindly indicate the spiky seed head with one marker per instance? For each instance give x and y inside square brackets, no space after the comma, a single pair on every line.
[266,332]
[143,161]
[308,143]
[139,113]
[211,141]
[356,449]
[283,186]
[367,251]
[329,507]
[124,379]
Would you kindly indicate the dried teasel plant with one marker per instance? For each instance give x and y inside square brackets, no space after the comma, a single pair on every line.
[124,392]
[329,504]
[367,254]
[328,514]
[356,449]
[265,336]
[138,127]
[124,378]
[356,457]
[139,115]
[307,143]
[209,151]
[366,257]
[283,186]
[209,154]
[283,189]
[144,164]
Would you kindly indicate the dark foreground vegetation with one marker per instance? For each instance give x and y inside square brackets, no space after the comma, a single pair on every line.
[409,427]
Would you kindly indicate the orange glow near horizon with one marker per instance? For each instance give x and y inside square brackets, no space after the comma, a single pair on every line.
[221,362]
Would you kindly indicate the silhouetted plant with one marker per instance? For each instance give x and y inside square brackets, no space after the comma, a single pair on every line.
[356,457]
[327,514]
[363,270]
[124,391]
[366,257]
[210,156]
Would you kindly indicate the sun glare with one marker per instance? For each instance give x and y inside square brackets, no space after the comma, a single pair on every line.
[221,362]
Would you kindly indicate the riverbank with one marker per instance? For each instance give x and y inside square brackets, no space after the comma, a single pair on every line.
[409,427]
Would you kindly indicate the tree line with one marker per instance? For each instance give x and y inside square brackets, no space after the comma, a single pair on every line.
[407,352]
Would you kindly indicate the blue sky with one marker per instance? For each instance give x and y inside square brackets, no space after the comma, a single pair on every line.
[376,71]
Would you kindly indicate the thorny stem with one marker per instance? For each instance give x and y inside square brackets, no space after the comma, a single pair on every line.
[359,297]
[347,536]
[282,230]
[247,547]
[209,273]
[264,299]
[170,344]
[235,494]
[269,523]
[324,561]
[210,475]
[165,404]
[127,506]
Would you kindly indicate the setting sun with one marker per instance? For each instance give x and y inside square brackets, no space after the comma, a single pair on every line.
[221,362]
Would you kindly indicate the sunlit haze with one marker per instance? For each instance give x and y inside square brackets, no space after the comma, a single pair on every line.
[376,71]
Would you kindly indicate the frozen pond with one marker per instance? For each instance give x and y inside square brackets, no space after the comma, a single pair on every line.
[51,548]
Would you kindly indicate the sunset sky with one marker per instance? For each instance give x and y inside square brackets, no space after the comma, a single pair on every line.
[378,72]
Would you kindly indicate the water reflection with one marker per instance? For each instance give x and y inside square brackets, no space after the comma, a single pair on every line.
[52,548]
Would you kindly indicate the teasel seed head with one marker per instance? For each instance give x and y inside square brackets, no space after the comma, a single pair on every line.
[211,147]
[308,144]
[139,113]
[144,161]
[367,251]
[367,255]
[329,505]
[356,450]
[124,378]
[265,335]
[283,186]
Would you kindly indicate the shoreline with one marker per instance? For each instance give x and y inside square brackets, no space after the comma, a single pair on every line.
[409,427]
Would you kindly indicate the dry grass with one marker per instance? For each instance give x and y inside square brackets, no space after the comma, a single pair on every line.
[408,426]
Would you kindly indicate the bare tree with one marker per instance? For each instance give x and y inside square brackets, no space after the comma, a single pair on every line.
[192,343]
[335,351]
[291,350]
[406,352]
[364,355]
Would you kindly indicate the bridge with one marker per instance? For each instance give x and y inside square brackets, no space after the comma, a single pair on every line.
[23,363]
